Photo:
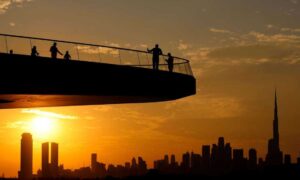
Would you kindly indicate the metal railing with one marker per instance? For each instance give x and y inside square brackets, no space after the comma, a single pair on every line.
[90,52]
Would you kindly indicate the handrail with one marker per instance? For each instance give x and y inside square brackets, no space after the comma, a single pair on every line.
[184,61]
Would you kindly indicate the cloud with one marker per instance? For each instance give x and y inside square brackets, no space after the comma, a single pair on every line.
[6,4]
[48,114]
[276,38]
[223,31]
[209,106]
[292,30]
[144,46]
[96,50]
[182,46]
[17,125]
[252,52]
[12,24]
[270,26]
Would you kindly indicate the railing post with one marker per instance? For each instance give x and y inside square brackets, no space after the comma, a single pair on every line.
[77,51]
[190,70]
[99,53]
[147,58]
[6,44]
[120,57]
[138,56]
[186,69]
[30,43]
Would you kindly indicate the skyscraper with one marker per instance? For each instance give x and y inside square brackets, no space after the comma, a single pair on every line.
[54,159]
[206,156]
[239,162]
[25,172]
[45,160]
[93,162]
[49,169]
[186,161]
[274,156]
[252,163]
[173,160]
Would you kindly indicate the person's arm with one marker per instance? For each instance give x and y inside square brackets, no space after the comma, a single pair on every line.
[149,50]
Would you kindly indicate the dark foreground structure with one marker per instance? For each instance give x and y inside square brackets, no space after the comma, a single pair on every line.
[28,81]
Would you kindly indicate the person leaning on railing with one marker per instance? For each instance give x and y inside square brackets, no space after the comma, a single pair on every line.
[34,52]
[170,62]
[155,58]
[67,56]
[54,50]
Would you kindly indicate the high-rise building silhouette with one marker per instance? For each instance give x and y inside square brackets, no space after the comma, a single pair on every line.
[239,162]
[252,164]
[196,161]
[166,160]
[45,160]
[274,156]
[54,159]
[94,162]
[228,152]
[25,172]
[173,160]
[133,163]
[50,170]
[287,159]
[206,156]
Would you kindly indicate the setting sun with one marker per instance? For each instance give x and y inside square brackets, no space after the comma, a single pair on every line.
[42,127]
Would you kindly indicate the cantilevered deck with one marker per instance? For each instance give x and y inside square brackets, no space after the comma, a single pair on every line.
[98,75]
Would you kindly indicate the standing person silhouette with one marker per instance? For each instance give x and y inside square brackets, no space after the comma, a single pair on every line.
[54,51]
[170,62]
[155,58]
[67,56]
[34,52]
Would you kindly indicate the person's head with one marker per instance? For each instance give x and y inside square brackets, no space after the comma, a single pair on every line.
[34,47]
[169,54]
[11,51]
[156,45]
[67,52]
[54,44]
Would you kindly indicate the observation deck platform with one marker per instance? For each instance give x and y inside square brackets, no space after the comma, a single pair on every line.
[97,75]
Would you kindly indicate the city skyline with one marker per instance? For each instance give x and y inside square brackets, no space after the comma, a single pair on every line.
[213,160]
[239,52]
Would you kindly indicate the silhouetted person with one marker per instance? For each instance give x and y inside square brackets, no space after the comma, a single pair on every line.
[170,62]
[11,52]
[156,53]
[54,51]
[67,56]
[34,52]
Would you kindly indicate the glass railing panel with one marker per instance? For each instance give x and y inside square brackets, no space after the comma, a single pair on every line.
[3,45]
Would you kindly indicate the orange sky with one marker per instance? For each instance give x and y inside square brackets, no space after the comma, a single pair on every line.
[239,52]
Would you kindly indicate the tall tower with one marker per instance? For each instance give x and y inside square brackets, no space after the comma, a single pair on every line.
[45,160]
[25,172]
[93,162]
[54,159]
[275,125]
[50,170]
[274,156]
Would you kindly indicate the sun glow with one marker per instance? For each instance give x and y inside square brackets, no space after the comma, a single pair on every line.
[43,127]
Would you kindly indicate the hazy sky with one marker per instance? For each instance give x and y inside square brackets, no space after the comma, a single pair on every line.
[240,51]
